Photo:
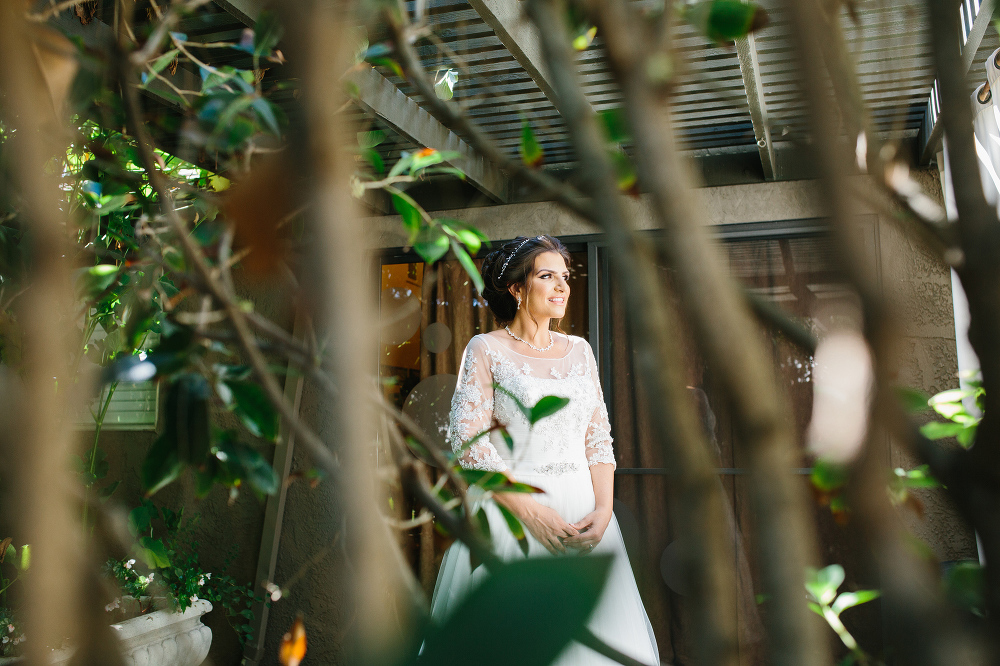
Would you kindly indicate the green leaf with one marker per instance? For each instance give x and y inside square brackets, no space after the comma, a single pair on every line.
[154,553]
[161,466]
[107,491]
[851,599]
[823,583]
[967,437]
[965,584]
[409,211]
[913,400]
[10,553]
[370,139]
[468,265]
[724,21]
[254,409]
[239,462]
[515,528]
[939,430]
[25,560]
[431,244]
[815,608]
[531,151]
[139,519]
[484,523]
[267,33]
[626,176]
[949,410]
[388,63]
[164,60]
[614,124]
[533,608]
[372,157]
[951,395]
[266,112]
[94,280]
[828,476]
[546,406]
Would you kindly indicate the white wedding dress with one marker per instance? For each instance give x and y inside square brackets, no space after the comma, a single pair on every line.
[556,456]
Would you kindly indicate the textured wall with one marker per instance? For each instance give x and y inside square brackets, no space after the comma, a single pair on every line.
[918,287]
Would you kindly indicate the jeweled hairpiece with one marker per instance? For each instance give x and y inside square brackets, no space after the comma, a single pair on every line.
[516,249]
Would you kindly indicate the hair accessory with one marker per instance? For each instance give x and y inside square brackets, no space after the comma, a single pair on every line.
[504,268]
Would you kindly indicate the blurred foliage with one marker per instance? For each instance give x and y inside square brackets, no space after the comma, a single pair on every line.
[14,564]
[724,21]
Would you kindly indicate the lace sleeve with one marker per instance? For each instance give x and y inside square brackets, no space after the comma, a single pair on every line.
[472,412]
[599,449]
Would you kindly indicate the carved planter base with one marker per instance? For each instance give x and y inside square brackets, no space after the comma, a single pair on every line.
[163,638]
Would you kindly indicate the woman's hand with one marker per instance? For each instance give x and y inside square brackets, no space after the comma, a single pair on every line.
[546,525]
[591,530]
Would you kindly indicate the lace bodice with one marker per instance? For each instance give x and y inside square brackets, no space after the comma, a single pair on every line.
[575,437]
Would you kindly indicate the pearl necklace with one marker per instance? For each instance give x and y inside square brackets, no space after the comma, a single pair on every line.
[552,341]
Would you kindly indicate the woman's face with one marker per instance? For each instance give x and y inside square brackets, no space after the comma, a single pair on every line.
[548,287]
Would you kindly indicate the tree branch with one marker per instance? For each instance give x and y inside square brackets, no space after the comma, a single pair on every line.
[699,503]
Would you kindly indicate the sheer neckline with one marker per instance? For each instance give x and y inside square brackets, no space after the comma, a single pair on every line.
[571,345]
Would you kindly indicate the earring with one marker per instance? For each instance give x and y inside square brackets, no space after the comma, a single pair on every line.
[518,302]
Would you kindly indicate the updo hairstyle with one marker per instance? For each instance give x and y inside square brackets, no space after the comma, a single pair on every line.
[512,265]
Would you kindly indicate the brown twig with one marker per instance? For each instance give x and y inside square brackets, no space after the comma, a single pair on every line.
[700,507]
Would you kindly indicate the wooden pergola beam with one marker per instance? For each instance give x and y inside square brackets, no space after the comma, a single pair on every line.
[746,51]
[519,36]
[381,98]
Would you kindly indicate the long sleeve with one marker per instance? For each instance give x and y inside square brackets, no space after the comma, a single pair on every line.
[472,412]
[598,447]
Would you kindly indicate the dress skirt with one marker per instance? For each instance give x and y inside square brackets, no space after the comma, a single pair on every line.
[619,618]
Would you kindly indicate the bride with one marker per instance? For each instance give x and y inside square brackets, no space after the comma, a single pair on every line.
[568,454]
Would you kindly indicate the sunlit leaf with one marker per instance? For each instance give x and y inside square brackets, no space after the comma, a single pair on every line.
[940,430]
[470,268]
[24,563]
[851,599]
[584,38]
[823,583]
[370,139]
[444,83]
[531,151]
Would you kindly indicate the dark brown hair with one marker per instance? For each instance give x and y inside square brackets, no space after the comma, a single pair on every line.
[512,265]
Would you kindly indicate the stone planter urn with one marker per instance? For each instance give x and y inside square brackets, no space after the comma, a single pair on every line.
[161,638]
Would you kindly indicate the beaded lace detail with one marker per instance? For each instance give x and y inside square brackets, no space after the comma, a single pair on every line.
[555,469]
[556,444]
